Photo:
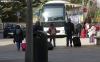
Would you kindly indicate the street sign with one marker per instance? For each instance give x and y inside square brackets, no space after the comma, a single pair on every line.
[37,12]
[84,9]
[18,13]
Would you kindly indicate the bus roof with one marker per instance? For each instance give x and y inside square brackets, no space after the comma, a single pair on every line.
[57,2]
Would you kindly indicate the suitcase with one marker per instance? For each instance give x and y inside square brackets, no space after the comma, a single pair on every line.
[77,42]
[23,45]
[50,46]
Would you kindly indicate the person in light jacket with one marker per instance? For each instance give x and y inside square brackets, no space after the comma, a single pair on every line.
[87,28]
[93,30]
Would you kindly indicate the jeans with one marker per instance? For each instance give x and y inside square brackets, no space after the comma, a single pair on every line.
[18,45]
[69,37]
[86,33]
[53,40]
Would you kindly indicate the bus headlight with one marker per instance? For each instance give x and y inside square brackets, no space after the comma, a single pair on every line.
[63,31]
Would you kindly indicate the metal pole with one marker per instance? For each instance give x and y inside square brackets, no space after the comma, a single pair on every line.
[82,10]
[29,57]
[18,19]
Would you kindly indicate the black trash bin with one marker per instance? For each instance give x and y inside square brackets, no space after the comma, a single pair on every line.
[40,46]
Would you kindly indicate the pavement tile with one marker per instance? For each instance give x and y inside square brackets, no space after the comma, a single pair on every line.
[87,53]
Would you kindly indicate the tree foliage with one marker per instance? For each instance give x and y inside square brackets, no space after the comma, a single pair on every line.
[8,10]
[77,1]
[91,6]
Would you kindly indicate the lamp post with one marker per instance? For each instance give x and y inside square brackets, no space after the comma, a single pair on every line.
[29,57]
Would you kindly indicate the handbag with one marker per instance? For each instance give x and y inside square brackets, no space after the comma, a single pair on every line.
[90,33]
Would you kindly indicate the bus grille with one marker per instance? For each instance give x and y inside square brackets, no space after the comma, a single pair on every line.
[56,24]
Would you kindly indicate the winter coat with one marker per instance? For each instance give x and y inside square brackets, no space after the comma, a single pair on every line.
[71,26]
[18,38]
[93,29]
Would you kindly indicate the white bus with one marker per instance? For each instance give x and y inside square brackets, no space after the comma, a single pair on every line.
[54,11]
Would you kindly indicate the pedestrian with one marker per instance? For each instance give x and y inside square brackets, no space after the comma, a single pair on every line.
[92,30]
[52,31]
[69,28]
[78,29]
[82,35]
[18,36]
[87,26]
[37,26]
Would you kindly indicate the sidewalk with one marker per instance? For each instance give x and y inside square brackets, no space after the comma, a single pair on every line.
[86,53]
[1,30]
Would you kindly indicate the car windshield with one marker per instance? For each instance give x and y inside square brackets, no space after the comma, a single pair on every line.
[11,26]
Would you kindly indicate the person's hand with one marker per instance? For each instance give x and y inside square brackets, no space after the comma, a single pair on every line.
[74,34]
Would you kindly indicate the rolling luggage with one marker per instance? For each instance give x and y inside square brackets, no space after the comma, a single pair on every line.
[77,42]
[23,45]
[50,46]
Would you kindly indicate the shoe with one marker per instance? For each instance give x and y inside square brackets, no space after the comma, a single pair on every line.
[70,45]
[67,46]
[54,46]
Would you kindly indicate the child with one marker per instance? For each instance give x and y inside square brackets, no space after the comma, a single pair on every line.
[52,31]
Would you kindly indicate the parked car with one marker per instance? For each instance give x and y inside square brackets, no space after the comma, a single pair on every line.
[9,30]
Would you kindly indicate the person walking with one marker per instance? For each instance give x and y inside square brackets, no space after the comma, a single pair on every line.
[69,28]
[18,37]
[52,31]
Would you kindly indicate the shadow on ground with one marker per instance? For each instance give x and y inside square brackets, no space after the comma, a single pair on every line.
[8,48]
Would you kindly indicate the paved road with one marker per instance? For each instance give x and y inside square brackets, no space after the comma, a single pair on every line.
[89,52]
[59,41]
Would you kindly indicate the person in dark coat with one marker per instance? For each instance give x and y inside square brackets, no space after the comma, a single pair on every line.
[69,28]
[18,37]
[37,26]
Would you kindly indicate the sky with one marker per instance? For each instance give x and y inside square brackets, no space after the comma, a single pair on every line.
[98,1]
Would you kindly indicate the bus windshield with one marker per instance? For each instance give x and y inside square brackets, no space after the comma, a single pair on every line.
[53,14]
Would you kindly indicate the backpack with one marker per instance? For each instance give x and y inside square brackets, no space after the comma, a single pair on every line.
[53,32]
[78,27]
[18,31]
